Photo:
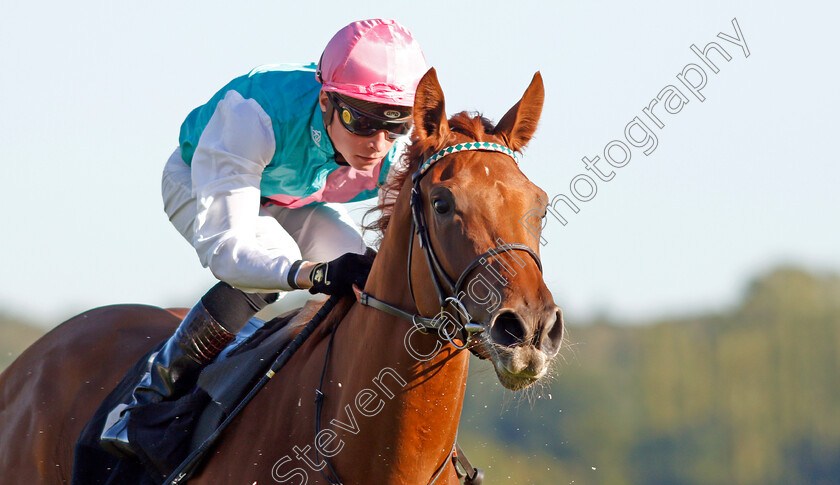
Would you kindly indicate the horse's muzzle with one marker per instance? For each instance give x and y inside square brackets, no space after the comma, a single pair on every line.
[524,342]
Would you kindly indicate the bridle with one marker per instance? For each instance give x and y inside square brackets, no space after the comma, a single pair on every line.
[449,292]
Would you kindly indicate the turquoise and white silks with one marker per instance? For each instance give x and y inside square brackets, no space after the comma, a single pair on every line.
[263,135]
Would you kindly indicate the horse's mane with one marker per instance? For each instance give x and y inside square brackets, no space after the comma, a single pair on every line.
[472,125]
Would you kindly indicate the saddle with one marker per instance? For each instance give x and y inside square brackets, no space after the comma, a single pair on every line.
[166,433]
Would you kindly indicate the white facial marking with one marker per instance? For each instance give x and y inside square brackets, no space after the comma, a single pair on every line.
[487,170]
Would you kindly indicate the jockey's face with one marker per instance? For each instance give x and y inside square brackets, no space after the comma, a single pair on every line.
[362,152]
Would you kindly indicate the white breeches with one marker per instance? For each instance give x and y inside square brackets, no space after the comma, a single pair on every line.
[312,233]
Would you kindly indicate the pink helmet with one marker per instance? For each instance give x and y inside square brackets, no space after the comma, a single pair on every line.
[374,60]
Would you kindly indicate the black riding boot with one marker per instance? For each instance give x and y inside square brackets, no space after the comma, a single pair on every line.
[173,370]
[170,373]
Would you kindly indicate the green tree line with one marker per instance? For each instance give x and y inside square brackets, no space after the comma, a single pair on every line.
[745,396]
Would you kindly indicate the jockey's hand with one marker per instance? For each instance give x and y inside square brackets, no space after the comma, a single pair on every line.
[338,276]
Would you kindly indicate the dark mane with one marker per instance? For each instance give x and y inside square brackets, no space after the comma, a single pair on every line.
[462,125]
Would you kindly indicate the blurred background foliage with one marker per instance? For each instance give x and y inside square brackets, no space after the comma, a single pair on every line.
[745,396]
[748,396]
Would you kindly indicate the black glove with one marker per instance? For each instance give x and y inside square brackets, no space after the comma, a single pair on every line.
[338,276]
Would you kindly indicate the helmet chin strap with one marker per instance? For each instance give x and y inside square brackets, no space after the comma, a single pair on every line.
[339,159]
[327,115]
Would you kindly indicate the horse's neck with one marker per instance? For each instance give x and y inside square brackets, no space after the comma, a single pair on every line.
[420,421]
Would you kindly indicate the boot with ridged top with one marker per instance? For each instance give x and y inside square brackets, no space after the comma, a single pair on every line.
[172,371]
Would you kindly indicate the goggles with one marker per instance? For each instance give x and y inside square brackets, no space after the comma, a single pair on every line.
[361,123]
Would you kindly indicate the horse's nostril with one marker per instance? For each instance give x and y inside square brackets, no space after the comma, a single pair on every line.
[554,336]
[508,329]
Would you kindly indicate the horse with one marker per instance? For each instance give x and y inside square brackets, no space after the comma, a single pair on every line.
[390,391]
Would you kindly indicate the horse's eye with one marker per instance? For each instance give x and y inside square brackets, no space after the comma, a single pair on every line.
[441,206]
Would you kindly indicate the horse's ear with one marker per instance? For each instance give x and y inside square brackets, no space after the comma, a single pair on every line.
[429,115]
[520,122]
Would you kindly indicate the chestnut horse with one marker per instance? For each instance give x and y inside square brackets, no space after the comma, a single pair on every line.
[392,393]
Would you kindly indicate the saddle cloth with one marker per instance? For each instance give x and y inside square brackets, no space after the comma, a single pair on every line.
[164,434]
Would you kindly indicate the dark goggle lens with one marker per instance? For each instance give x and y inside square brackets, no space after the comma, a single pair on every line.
[363,125]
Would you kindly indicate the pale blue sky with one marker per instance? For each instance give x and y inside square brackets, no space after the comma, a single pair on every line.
[95,93]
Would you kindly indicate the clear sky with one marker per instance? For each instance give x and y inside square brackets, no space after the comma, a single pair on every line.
[95,92]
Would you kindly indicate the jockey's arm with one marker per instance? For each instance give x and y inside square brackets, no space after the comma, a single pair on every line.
[234,149]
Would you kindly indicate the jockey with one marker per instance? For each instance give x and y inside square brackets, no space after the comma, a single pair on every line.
[255,183]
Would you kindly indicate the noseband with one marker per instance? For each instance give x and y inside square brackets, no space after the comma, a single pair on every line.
[448,291]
